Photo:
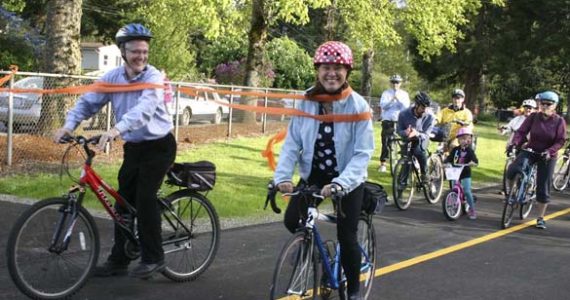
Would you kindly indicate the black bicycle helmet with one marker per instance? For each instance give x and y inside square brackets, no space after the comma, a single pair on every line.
[423,99]
[133,31]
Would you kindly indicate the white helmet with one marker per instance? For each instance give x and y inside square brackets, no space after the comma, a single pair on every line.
[529,102]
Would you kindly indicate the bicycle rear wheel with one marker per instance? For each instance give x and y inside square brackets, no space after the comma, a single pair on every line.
[451,205]
[434,188]
[561,174]
[42,269]
[295,275]
[190,235]
[511,203]
[403,184]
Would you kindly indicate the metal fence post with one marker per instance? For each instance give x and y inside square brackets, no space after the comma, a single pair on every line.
[176,115]
[264,116]
[230,114]
[9,143]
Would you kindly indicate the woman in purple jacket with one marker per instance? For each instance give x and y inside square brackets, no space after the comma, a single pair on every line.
[546,134]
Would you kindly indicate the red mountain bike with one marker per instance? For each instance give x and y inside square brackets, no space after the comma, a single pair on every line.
[54,245]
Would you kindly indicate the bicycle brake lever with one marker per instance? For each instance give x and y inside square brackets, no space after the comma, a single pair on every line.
[271,193]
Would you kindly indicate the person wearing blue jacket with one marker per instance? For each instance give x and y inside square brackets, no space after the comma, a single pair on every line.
[330,155]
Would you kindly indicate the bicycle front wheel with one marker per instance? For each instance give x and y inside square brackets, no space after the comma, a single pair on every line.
[295,275]
[190,235]
[367,242]
[393,153]
[434,188]
[451,205]
[403,185]
[511,203]
[561,174]
[50,254]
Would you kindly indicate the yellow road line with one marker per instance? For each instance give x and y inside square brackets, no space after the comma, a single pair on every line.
[428,256]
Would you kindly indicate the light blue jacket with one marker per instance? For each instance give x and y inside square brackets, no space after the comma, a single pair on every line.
[354,143]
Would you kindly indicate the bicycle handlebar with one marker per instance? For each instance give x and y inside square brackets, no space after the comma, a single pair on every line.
[304,190]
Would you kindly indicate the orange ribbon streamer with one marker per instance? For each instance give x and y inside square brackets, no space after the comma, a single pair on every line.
[5,79]
[268,152]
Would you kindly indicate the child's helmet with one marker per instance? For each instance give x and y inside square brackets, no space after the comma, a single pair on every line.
[464,131]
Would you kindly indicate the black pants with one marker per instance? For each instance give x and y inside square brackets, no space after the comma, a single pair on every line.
[544,171]
[142,172]
[347,228]
[387,131]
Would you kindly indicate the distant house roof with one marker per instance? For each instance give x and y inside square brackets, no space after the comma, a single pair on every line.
[91,45]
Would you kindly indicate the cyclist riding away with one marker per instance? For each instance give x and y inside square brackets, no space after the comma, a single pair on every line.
[456,115]
[330,155]
[392,102]
[149,149]
[529,106]
[545,132]
[414,126]
[464,154]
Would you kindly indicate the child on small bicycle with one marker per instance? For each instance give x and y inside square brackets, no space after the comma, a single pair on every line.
[464,155]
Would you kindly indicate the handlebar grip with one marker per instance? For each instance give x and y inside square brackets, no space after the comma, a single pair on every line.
[270,199]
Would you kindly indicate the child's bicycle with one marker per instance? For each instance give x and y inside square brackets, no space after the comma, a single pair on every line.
[523,193]
[454,204]
[54,245]
[309,268]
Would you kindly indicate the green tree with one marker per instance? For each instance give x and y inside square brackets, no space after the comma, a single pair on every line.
[292,65]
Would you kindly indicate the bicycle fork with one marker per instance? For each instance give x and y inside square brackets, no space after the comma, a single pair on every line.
[66,224]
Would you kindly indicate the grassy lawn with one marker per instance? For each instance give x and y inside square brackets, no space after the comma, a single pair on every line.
[243,173]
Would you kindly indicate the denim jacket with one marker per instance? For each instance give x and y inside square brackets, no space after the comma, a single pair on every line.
[354,143]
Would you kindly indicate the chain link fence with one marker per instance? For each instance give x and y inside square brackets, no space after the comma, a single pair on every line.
[28,120]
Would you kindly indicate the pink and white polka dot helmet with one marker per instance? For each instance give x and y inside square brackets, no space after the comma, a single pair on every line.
[333,52]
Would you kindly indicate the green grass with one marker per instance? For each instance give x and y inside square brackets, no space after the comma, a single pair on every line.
[243,173]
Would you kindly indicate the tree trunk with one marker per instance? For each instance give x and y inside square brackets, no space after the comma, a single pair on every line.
[473,96]
[329,27]
[62,56]
[254,63]
[367,64]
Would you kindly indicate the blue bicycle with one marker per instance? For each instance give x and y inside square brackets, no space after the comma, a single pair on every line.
[308,267]
[523,192]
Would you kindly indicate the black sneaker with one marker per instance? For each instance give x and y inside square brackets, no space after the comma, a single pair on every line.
[110,268]
[540,223]
[146,270]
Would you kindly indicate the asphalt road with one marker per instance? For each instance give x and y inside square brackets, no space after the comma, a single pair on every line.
[421,256]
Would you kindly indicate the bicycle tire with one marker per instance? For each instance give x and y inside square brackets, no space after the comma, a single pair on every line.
[508,162]
[189,254]
[511,203]
[367,242]
[561,174]
[434,189]
[32,265]
[525,209]
[402,185]
[393,151]
[451,205]
[295,275]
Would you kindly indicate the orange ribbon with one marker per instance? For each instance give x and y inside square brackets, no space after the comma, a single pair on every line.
[5,79]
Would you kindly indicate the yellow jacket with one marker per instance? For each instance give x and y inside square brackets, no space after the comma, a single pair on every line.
[448,116]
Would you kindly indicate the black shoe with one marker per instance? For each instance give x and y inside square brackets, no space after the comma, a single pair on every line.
[355,297]
[110,268]
[145,270]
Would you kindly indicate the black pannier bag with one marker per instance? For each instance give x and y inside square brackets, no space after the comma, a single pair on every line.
[198,176]
[374,198]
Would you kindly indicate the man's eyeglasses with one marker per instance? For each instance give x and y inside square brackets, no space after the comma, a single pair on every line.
[138,52]
[546,103]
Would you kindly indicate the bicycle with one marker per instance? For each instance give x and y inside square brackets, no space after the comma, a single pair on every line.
[404,186]
[523,193]
[454,203]
[561,175]
[393,148]
[307,267]
[54,245]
